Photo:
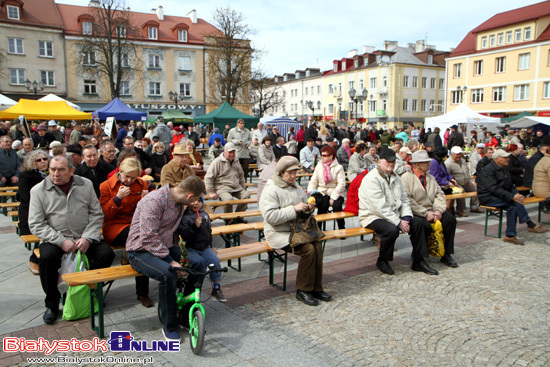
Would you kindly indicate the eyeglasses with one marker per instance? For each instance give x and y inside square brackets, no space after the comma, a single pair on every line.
[325,155]
[41,160]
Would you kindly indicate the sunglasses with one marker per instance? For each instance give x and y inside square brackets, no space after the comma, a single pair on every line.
[325,155]
[41,160]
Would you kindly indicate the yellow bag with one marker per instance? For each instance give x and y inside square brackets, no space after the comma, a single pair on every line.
[436,243]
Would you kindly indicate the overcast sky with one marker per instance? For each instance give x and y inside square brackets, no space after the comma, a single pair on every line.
[297,34]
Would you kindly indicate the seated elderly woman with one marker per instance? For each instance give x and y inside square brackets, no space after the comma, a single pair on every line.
[195,158]
[442,177]
[159,159]
[428,204]
[371,157]
[328,184]
[344,154]
[357,163]
[265,154]
[281,201]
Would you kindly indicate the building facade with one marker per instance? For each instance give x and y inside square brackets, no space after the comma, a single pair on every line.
[502,67]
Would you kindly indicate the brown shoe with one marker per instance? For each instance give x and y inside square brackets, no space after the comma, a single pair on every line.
[476,210]
[538,229]
[460,213]
[34,268]
[513,240]
[145,301]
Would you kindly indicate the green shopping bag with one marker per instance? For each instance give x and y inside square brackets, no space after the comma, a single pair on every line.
[77,302]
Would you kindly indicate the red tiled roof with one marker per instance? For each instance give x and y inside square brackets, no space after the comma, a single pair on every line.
[531,12]
[36,12]
[195,34]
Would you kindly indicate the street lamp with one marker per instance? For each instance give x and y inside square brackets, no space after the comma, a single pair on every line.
[311,105]
[174,97]
[357,98]
[34,86]
[464,89]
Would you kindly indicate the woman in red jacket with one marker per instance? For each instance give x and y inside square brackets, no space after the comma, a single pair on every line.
[119,197]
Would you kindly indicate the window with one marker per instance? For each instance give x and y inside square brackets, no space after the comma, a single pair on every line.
[430,59]
[124,88]
[478,67]
[185,89]
[121,31]
[509,37]
[492,40]
[518,35]
[355,63]
[415,82]
[406,81]
[335,69]
[405,104]
[546,91]
[339,89]
[88,58]
[306,91]
[292,92]
[154,62]
[457,70]
[372,106]
[527,34]
[484,42]
[90,87]
[424,82]
[440,105]
[524,61]
[385,81]
[154,88]
[500,39]
[432,83]
[15,46]
[312,90]
[182,35]
[47,78]
[330,88]
[441,83]
[521,92]
[373,83]
[124,60]
[330,108]
[414,106]
[13,12]
[185,63]
[424,105]
[477,95]
[499,94]
[318,89]
[152,32]
[351,85]
[17,76]
[500,64]
[87,28]
[456,97]
[45,48]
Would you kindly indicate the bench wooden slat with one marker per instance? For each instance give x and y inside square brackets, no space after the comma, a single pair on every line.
[207,197]
[236,215]
[30,238]
[462,195]
[8,193]
[214,204]
[348,232]
[249,249]
[9,188]
[91,277]
[10,205]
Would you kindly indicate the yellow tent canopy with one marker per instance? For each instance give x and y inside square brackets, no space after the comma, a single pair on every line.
[44,110]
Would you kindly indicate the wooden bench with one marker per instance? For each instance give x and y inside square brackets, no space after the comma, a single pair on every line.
[493,211]
[14,215]
[9,188]
[214,204]
[29,240]
[462,195]
[207,197]
[6,206]
[236,215]
[5,195]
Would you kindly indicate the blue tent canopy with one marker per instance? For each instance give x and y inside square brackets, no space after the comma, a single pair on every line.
[284,124]
[119,110]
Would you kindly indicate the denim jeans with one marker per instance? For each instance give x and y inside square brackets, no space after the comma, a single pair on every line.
[156,268]
[199,261]
[514,210]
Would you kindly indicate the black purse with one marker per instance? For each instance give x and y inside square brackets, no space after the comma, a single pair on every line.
[304,229]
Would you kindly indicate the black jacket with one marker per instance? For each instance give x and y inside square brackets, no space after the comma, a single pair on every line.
[279,152]
[157,162]
[102,170]
[310,133]
[456,139]
[494,182]
[196,238]
[27,179]
[516,170]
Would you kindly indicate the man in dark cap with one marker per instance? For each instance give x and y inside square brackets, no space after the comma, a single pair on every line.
[74,151]
[456,138]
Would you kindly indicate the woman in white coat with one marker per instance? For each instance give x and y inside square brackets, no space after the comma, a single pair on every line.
[265,154]
[281,200]
[328,184]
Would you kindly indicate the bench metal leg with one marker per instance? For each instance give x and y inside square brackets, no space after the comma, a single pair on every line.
[498,215]
[232,240]
[97,294]
[281,257]
[261,237]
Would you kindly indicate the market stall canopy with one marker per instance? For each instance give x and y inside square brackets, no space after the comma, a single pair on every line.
[6,102]
[44,110]
[52,97]
[284,124]
[119,110]
[266,119]
[177,117]
[226,114]
[461,115]
[507,120]
[528,121]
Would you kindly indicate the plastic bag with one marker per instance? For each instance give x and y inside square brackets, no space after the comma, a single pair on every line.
[77,302]
[69,263]
[436,242]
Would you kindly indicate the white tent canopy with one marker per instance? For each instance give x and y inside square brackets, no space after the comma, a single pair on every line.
[264,120]
[528,121]
[6,102]
[461,115]
[52,97]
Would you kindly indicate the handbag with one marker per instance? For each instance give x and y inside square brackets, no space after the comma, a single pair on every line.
[304,229]
[77,302]
[436,242]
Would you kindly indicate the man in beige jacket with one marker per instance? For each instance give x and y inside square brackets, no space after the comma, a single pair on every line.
[428,205]
[225,179]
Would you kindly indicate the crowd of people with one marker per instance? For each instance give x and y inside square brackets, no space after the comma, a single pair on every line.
[395,180]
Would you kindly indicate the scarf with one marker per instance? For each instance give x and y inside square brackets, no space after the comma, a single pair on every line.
[327,176]
[278,180]
[348,151]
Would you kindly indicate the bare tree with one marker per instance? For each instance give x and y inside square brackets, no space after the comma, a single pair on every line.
[265,93]
[110,50]
[3,60]
[230,57]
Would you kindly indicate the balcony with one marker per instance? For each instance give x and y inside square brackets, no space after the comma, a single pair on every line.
[382,90]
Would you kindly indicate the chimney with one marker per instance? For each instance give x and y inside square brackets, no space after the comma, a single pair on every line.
[390,45]
[160,12]
[193,15]
[368,49]
[352,53]
[420,46]
[94,3]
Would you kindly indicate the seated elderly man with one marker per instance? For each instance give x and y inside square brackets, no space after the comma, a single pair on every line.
[308,154]
[384,207]
[428,204]
[457,167]
[9,163]
[225,179]
[401,163]
[495,188]
[51,218]
[178,168]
